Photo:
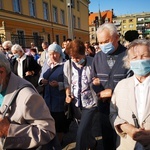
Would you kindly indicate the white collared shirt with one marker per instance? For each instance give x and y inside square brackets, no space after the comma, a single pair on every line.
[141,95]
[20,65]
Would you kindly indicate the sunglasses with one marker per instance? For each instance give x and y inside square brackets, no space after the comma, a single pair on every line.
[6,49]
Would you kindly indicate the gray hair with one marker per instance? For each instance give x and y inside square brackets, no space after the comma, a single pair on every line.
[7,43]
[4,62]
[110,26]
[130,46]
[17,47]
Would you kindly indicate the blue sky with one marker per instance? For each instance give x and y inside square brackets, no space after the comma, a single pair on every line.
[121,7]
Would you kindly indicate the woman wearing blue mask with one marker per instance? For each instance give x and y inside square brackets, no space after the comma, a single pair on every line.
[129,109]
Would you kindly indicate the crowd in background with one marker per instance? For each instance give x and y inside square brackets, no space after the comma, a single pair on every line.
[85,75]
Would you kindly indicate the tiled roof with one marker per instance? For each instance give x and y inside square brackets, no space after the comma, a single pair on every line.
[104,15]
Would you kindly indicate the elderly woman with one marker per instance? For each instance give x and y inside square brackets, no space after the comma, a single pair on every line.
[78,84]
[130,104]
[25,66]
[52,79]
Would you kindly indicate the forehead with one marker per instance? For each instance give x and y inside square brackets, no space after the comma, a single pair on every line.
[104,35]
[53,52]
[140,50]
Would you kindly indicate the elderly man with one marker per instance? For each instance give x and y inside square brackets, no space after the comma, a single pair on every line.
[130,104]
[44,54]
[27,123]
[108,70]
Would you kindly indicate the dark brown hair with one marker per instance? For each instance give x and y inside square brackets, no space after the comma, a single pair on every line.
[75,47]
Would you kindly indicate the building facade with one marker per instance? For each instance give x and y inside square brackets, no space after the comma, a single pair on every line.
[26,21]
[139,22]
[96,19]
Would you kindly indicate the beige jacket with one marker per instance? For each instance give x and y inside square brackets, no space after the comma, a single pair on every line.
[121,108]
[31,122]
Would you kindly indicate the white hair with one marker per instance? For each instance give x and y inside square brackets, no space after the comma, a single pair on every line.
[110,26]
[7,43]
[17,48]
[130,46]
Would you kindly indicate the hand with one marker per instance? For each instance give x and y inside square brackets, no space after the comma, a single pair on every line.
[96,81]
[4,126]
[143,137]
[140,135]
[29,73]
[53,83]
[107,93]
[69,98]
[44,81]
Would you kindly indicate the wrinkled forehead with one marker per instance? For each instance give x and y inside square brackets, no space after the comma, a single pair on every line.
[139,50]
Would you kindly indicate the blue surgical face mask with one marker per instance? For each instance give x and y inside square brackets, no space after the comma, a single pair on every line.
[81,62]
[107,48]
[140,67]
[16,56]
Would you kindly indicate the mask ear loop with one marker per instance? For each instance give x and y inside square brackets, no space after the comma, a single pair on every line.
[1,86]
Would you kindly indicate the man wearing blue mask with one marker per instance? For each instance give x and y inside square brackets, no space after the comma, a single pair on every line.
[108,70]
[130,103]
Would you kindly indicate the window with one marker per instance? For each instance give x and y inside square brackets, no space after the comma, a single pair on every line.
[1,4]
[124,26]
[45,11]
[92,29]
[35,36]
[62,17]
[131,26]
[21,39]
[73,3]
[32,7]
[64,38]
[57,39]
[130,20]
[74,21]
[92,37]
[79,24]
[16,6]
[124,21]
[55,16]
[78,6]
[49,38]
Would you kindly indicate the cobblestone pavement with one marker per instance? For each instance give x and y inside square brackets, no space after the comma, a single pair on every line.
[70,137]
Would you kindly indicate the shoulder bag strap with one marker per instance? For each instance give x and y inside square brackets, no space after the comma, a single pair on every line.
[15,96]
[70,72]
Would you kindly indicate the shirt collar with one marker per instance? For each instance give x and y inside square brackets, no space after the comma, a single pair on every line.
[146,81]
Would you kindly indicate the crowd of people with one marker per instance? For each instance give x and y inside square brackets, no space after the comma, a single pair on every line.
[106,77]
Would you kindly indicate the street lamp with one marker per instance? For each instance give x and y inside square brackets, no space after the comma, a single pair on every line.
[70,22]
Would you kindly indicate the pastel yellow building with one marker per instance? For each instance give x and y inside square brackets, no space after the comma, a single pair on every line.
[26,21]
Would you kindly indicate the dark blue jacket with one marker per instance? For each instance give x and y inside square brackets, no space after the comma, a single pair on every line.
[54,97]
[109,77]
